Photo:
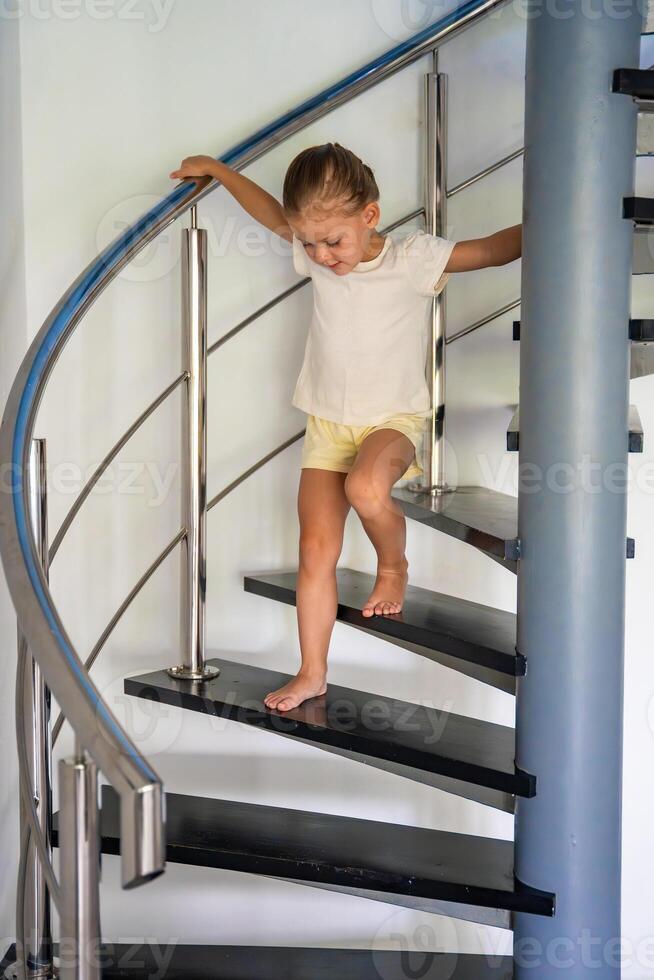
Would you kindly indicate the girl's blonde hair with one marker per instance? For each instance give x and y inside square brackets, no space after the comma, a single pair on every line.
[326,174]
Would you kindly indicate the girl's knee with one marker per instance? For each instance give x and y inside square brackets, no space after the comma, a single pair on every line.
[364,492]
[318,550]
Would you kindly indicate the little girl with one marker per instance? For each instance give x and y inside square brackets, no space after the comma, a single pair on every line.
[362,383]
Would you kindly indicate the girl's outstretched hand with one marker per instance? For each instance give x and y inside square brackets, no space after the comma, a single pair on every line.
[197,166]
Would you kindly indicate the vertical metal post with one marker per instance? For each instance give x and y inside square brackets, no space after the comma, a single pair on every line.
[433,479]
[194,456]
[79,843]
[574,368]
[33,903]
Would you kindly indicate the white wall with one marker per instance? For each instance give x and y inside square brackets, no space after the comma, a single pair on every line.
[13,336]
[125,101]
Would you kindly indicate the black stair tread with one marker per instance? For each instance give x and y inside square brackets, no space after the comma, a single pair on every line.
[467,630]
[176,961]
[484,518]
[635,439]
[641,330]
[639,209]
[421,738]
[202,962]
[637,82]
[336,851]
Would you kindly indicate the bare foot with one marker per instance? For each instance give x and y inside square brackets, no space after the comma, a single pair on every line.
[289,696]
[388,594]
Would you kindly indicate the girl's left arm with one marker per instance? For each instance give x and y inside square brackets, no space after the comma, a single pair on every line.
[480,253]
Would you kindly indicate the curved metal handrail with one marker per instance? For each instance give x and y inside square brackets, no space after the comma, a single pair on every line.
[99,732]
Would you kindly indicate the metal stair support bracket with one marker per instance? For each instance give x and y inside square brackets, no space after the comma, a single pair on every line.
[570,701]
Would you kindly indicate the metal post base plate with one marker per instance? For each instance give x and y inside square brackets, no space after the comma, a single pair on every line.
[182,673]
[436,489]
[15,972]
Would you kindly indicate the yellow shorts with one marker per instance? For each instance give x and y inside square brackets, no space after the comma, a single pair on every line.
[334,446]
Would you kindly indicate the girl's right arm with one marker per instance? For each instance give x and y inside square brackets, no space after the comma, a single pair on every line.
[257,202]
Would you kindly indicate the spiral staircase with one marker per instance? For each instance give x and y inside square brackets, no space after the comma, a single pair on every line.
[453,874]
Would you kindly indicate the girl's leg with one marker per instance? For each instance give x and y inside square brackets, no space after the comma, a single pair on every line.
[383,457]
[322,510]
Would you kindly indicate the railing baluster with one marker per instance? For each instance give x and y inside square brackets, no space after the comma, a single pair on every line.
[433,478]
[194,456]
[79,843]
[34,941]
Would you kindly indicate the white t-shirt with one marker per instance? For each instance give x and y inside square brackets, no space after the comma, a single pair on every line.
[366,349]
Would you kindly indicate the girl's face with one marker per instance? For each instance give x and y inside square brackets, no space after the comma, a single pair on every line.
[336,241]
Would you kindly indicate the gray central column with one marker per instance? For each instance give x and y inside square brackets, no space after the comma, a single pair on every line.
[574,381]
